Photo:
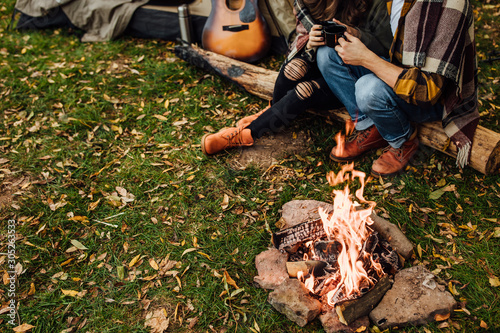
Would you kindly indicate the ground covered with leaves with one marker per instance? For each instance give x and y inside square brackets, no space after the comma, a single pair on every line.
[123,225]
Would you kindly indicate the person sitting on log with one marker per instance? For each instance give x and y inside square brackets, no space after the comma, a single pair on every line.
[430,76]
[300,85]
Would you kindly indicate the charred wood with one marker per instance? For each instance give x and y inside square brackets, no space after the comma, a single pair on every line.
[351,310]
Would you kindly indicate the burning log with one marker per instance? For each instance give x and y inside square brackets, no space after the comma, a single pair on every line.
[311,266]
[485,155]
[393,235]
[300,233]
[351,310]
[327,250]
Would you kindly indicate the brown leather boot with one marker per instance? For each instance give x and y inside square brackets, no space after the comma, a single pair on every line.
[358,144]
[226,138]
[245,121]
[394,160]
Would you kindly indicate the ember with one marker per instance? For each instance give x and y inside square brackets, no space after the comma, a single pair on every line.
[343,257]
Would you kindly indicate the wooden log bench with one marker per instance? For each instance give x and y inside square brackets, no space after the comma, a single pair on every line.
[485,155]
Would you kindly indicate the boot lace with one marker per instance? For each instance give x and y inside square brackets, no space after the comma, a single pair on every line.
[359,136]
[234,138]
[398,152]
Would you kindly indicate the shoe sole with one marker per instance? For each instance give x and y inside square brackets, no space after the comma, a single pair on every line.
[377,174]
[340,160]
[203,144]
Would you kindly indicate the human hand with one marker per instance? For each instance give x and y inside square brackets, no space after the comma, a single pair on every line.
[352,50]
[316,38]
[353,31]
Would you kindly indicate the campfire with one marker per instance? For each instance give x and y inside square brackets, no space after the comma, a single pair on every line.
[339,257]
[342,263]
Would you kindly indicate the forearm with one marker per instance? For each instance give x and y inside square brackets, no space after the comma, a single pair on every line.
[386,71]
[354,52]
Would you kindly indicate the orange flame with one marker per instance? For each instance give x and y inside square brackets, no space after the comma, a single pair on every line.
[348,226]
[308,282]
[340,138]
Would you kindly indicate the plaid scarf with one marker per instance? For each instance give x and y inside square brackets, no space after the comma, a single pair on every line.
[439,38]
[304,25]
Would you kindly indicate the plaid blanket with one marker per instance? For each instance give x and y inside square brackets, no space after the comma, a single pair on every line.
[439,38]
[304,25]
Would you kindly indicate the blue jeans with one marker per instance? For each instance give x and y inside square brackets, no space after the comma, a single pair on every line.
[370,101]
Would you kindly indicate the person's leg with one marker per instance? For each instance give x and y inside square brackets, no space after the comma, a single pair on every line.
[341,79]
[391,115]
[291,73]
[393,118]
[304,94]
[313,94]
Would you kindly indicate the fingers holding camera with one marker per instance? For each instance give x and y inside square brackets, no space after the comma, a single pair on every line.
[351,50]
[352,30]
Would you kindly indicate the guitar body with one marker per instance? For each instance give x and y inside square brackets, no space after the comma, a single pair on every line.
[240,34]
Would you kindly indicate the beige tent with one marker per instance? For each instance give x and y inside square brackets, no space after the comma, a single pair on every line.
[144,19]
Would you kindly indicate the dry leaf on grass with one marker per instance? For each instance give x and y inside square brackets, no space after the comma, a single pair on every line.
[229,280]
[157,320]
[23,328]
[494,281]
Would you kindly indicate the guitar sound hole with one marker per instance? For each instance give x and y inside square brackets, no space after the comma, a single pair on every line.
[234,4]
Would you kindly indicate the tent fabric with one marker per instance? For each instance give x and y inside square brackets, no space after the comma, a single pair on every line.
[101,20]
[280,17]
[157,19]
[157,24]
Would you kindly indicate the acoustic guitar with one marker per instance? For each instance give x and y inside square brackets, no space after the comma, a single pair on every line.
[236,29]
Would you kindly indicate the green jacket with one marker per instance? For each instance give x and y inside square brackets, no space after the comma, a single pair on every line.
[376,29]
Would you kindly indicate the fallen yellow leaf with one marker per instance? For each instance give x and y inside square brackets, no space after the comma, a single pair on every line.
[78,245]
[441,317]
[32,289]
[187,251]
[160,117]
[178,282]
[134,260]
[494,281]
[229,280]
[23,328]
[225,202]
[157,320]
[79,218]
[452,289]
[419,250]
[205,255]
[67,261]
[153,264]
[71,293]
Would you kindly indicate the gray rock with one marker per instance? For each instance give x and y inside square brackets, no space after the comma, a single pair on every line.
[297,211]
[414,299]
[271,269]
[292,299]
[331,323]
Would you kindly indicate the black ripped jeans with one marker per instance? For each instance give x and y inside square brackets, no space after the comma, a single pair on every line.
[299,86]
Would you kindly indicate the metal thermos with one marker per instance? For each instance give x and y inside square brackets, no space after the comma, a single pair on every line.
[185,24]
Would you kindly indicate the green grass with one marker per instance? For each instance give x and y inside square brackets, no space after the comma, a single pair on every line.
[81,122]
